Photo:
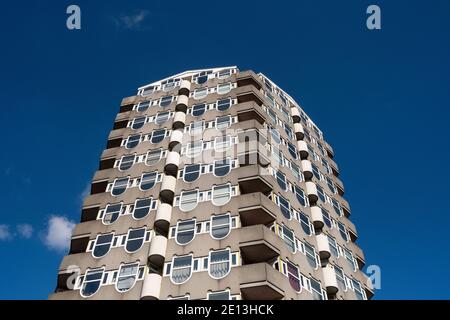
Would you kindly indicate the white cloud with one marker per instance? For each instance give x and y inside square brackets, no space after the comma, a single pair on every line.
[132,21]
[5,234]
[58,234]
[25,230]
[86,191]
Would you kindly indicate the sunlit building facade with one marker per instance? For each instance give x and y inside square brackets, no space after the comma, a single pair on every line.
[214,184]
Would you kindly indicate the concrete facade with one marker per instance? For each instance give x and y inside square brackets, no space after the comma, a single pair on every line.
[247,204]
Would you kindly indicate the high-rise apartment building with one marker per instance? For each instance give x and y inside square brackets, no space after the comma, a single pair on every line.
[214,184]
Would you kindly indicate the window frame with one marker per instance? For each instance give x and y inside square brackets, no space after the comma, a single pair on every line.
[136,275]
[100,280]
[118,212]
[211,263]
[133,239]
[177,231]
[110,244]
[136,206]
[114,185]
[211,226]
[228,185]
[191,267]
[196,201]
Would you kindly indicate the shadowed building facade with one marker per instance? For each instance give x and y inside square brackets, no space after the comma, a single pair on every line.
[214,184]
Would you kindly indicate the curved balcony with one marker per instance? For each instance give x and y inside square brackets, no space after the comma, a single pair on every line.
[182,103]
[295,113]
[317,217]
[179,120]
[299,131]
[172,163]
[176,138]
[168,188]
[163,215]
[307,169]
[329,149]
[330,281]
[185,88]
[151,287]
[303,149]
[157,250]
[311,191]
[323,246]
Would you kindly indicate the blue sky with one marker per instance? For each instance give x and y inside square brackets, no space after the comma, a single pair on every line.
[380,97]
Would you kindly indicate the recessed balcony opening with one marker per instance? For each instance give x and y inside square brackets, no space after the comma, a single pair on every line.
[89,214]
[248,82]
[353,235]
[114,143]
[340,190]
[120,124]
[79,244]
[361,262]
[107,164]
[126,108]
[62,282]
[99,187]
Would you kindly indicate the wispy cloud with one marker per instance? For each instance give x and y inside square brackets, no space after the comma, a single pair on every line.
[5,233]
[58,233]
[131,21]
[25,230]
[85,192]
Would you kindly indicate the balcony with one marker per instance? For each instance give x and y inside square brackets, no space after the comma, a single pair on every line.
[176,138]
[358,253]
[172,163]
[307,169]
[339,185]
[295,113]
[151,287]
[253,178]
[157,252]
[330,280]
[257,244]
[179,120]
[168,188]
[317,217]
[302,149]
[248,111]
[323,246]
[185,88]
[311,191]
[299,131]
[329,149]
[334,167]
[163,216]
[258,282]
[256,208]
[182,104]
